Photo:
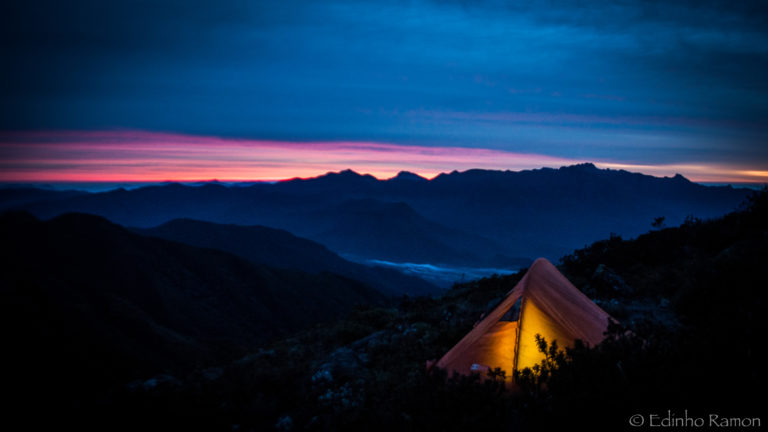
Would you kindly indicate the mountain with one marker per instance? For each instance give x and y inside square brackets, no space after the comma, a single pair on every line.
[393,231]
[281,249]
[543,212]
[25,195]
[84,302]
[406,176]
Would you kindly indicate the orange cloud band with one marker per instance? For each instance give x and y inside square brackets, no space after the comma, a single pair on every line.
[137,156]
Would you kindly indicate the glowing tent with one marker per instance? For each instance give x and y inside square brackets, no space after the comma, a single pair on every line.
[544,302]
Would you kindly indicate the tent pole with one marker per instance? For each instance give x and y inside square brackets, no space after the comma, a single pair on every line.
[518,331]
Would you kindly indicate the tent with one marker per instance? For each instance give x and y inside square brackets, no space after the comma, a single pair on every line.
[544,302]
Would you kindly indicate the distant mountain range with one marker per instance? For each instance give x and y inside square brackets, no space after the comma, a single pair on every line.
[474,218]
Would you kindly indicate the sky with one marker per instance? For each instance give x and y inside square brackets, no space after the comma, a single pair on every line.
[252,90]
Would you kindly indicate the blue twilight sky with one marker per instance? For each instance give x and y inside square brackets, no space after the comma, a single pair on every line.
[642,82]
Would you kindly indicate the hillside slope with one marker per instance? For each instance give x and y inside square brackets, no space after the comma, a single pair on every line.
[281,249]
[88,306]
[394,231]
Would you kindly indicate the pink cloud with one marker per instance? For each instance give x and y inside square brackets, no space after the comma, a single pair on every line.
[138,156]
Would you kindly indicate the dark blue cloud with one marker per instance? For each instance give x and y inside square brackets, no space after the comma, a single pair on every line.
[646,81]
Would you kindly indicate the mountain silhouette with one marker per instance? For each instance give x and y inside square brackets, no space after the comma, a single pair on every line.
[406,176]
[542,212]
[85,301]
[281,249]
[393,231]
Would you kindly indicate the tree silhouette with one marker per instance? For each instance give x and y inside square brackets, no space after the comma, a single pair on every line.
[658,222]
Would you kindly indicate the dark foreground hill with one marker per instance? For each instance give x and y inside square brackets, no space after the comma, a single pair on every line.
[281,249]
[692,297]
[87,306]
[475,218]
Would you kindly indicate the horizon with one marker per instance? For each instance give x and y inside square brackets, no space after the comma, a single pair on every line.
[106,186]
[130,156]
[254,91]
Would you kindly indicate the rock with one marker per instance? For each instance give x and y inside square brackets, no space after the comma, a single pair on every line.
[284,423]
[343,398]
[322,376]
[349,363]
[343,363]
[161,380]
[212,374]
[372,340]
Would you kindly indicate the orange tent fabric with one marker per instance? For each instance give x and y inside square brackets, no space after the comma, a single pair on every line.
[544,302]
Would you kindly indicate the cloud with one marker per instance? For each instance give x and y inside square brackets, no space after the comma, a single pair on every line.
[137,156]
[98,27]
[665,73]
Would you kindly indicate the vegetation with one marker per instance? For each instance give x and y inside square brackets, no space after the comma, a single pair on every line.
[690,308]
[689,300]
[658,222]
